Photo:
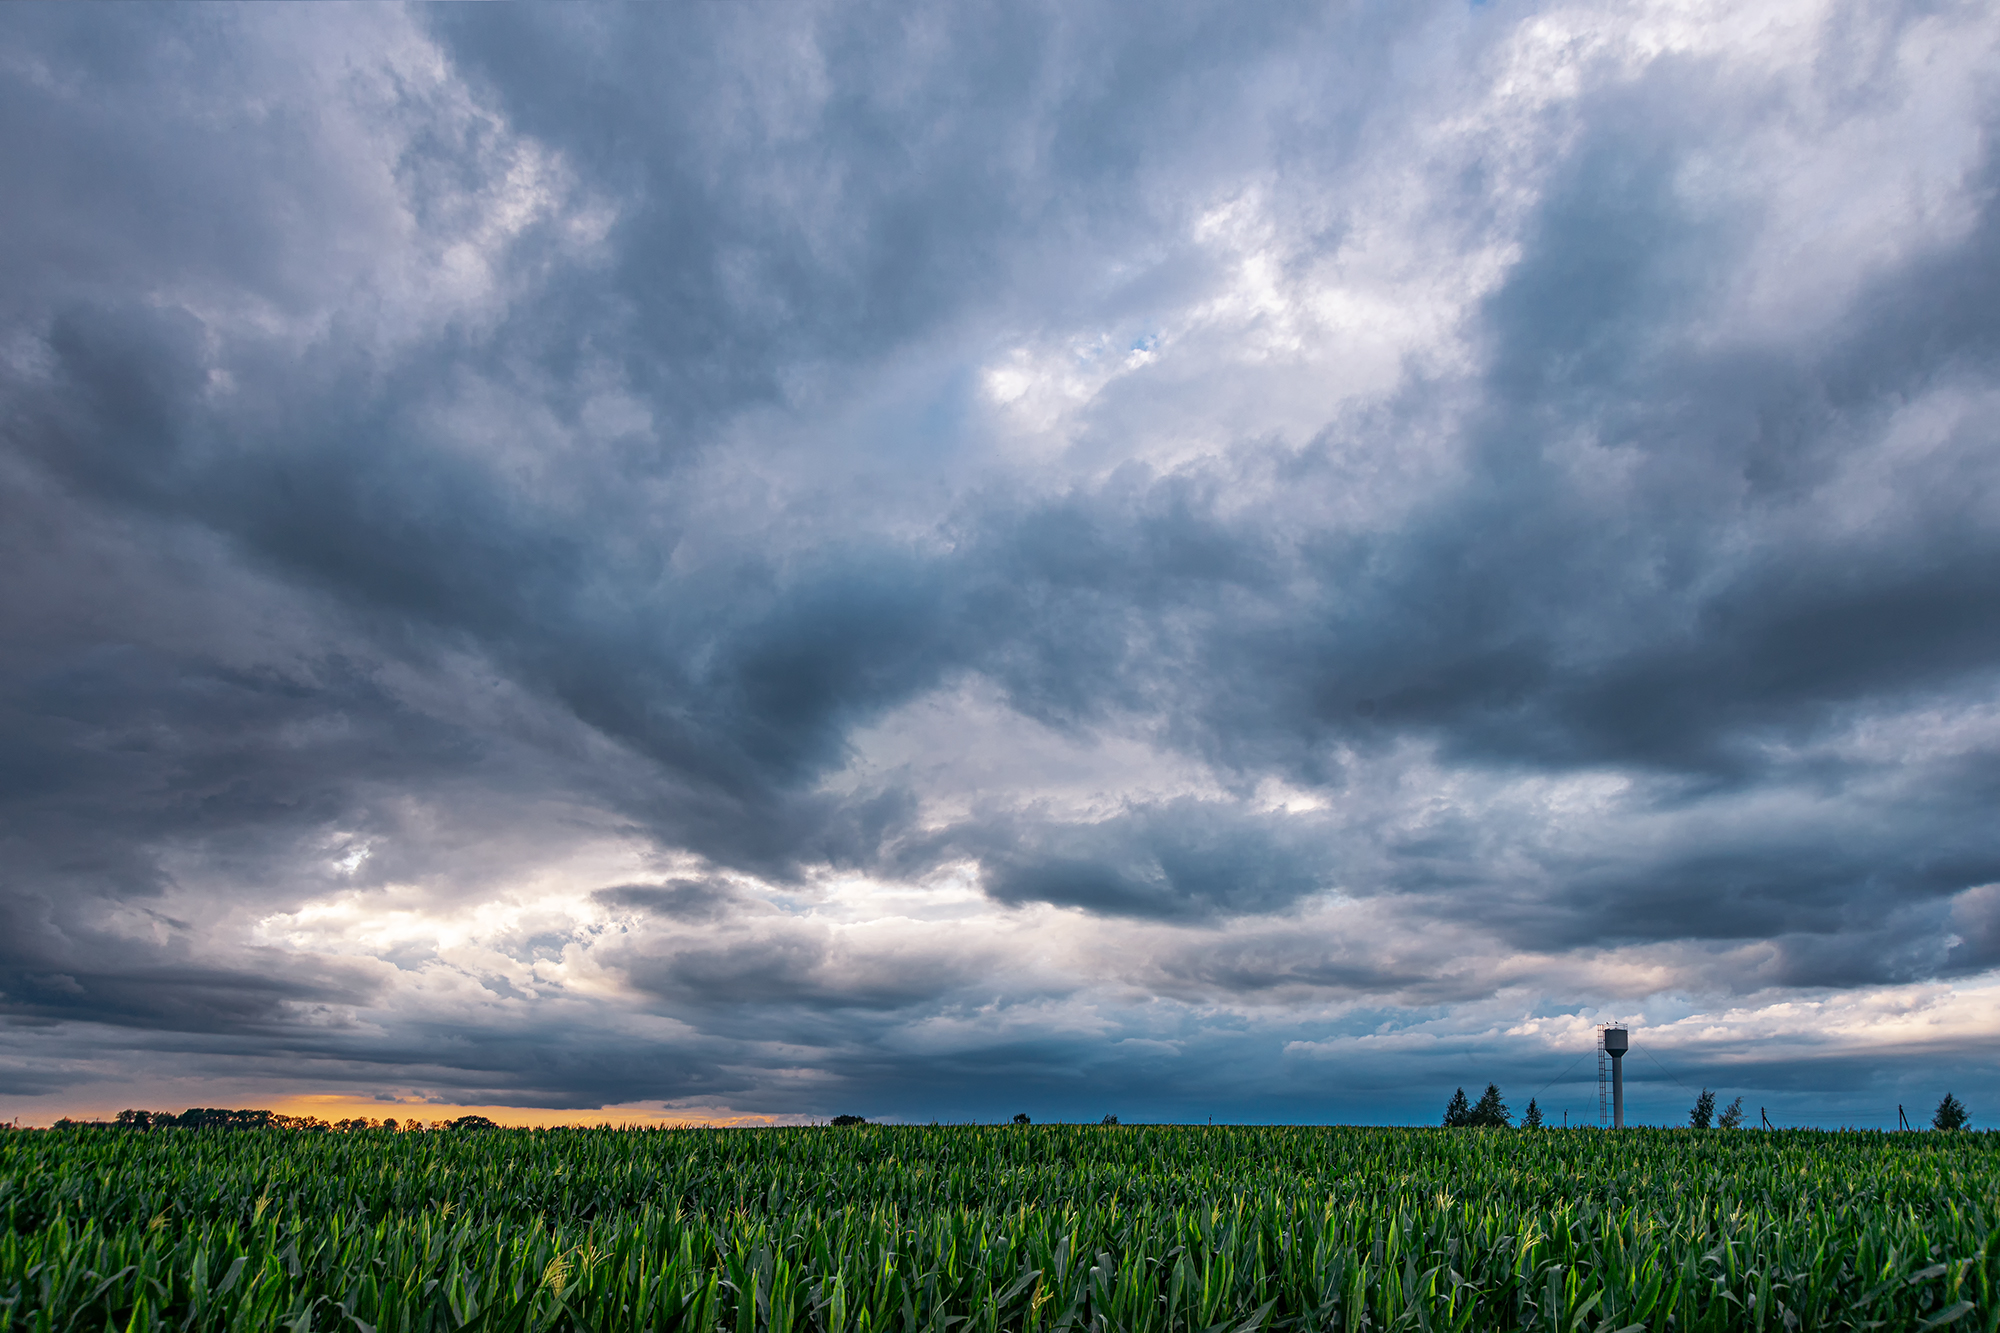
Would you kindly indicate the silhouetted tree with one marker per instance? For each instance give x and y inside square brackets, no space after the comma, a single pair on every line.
[1703,1114]
[1951,1114]
[1532,1117]
[1489,1112]
[1109,1120]
[1458,1111]
[1732,1115]
[1021,1118]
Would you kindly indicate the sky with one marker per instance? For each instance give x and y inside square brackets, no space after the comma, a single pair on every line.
[761,561]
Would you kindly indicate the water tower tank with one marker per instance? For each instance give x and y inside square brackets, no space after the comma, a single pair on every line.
[1616,1042]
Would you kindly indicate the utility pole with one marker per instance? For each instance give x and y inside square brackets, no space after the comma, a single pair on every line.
[1765,1118]
[1902,1121]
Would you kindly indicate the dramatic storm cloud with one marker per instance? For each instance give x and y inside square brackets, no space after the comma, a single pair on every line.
[1263,561]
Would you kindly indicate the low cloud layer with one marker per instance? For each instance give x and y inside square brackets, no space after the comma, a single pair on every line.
[1262,564]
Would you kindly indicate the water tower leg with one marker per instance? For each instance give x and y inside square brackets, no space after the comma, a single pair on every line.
[1617,1092]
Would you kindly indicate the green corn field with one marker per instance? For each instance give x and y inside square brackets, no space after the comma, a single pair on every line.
[872,1229]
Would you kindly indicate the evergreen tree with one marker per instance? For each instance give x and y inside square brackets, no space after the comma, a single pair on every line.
[1950,1114]
[1458,1112]
[1703,1114]
[1532,1117]
[1490,1112]
[1732,1115]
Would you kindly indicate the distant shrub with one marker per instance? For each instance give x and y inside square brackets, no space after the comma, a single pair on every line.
[842,1121]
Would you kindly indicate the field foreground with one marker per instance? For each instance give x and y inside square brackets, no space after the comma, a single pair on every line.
[860,1230]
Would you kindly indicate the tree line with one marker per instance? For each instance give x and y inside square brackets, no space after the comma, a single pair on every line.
[215,1117]
[1490,1112]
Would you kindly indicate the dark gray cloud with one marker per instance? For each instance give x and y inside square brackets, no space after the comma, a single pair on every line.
[750,558]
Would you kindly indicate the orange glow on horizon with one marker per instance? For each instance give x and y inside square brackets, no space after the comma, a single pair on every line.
[341,1106]
[333,1107]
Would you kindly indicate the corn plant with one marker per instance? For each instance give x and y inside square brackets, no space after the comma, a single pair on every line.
[1043,1229]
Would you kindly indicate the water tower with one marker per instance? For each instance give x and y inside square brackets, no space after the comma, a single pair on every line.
[1612,1043]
